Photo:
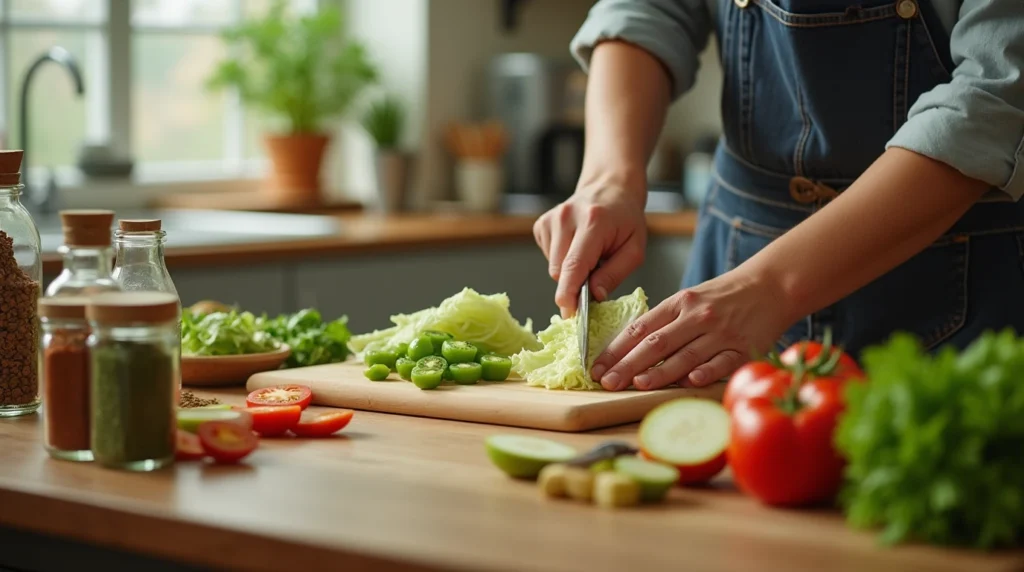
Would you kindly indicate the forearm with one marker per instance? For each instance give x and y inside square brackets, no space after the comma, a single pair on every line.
[899,206]
[628,94]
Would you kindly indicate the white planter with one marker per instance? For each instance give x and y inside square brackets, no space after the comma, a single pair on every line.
[479,184]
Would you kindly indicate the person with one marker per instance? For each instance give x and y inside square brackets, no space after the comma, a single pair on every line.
[867,179]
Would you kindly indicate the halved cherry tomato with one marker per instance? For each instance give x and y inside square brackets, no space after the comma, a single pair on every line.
[226,442]
[188,447]
[271,421]
[289,394]
[322,424]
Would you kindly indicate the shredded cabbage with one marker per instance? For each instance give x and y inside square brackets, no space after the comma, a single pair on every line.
[468,315]
[557,365]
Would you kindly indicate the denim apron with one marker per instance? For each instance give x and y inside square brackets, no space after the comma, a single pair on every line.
[813,91]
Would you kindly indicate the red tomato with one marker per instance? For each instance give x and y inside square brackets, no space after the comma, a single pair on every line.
[188,447]
[787,458]
[289,394]
[322,424]
[755,379]
[226,442]
[271,421]
[845,368]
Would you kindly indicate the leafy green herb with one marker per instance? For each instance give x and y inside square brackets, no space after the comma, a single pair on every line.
[313,341]
[384,121]
[223,334]
[934,443]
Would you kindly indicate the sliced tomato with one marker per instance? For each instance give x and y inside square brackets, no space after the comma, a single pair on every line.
[322,424]
[226,442]
[188,447]
[274,420]
[288,394]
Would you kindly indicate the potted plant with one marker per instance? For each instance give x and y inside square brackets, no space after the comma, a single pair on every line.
[384,121]
[304,71]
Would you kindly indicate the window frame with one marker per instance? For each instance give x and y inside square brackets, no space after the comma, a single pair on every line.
[114,60]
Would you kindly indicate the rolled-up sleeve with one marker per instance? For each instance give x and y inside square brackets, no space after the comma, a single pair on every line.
[975,123]
[673,31]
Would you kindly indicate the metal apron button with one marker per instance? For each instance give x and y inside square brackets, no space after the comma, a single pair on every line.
[741,3]
[803,190]
[906,9]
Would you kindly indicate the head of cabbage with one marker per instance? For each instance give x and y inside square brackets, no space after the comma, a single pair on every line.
[557,365]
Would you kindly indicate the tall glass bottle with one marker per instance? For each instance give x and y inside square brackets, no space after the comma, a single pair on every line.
[139,262]
[21,273]
[87,252]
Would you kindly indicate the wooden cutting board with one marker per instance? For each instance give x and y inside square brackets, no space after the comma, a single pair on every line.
[510,403]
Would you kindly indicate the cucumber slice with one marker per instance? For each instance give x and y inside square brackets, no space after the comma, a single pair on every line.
[523,457]
[685,432]
[190,419]
[655,479]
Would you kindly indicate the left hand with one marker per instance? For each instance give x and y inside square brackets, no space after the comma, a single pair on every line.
[698,335]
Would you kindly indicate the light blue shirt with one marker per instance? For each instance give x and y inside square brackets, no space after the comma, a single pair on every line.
[975,123]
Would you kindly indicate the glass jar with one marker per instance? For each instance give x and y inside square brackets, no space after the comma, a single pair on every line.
[64,365]
[134,352]
[21,273]
[87,253]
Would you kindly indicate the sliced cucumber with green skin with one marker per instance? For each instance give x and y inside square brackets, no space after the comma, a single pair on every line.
[190,419]
[465,373]
[377,372]
[438,339]
[404,367]
[655,479]
[420,348]
[495,367]
[523,457]
[458,352]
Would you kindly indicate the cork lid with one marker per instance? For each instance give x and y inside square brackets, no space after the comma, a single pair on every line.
[63,307]
[132,307]
[139,225]
[10,167]
[87,227]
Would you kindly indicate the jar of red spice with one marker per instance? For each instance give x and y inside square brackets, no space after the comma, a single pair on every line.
[65,369]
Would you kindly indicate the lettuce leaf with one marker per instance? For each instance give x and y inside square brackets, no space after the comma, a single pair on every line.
[223,334]
[468,315]
[557,365]
[933,443]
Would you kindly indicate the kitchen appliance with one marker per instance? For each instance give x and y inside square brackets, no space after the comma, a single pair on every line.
[511,402]
[540,101]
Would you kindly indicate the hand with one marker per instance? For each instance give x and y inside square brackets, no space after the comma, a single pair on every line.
[697,336]
[599,223]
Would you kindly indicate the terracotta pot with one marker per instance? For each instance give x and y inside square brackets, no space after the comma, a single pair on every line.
[296,162]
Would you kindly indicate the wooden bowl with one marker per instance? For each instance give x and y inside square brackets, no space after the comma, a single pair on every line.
[229,370]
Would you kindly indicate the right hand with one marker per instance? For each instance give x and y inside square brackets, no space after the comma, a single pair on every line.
[598,223]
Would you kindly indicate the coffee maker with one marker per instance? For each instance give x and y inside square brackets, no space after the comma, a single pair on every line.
[540,100]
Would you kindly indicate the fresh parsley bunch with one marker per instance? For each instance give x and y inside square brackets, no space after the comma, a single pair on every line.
[935,445]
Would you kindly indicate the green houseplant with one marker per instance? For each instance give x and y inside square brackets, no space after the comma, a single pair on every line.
[384,121]
[303,70]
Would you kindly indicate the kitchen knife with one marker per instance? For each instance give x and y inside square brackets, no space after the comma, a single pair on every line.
[583,322]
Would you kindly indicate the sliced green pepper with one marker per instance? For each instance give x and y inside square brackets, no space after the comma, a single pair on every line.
[437,338]
[377,372]
[420,348]
[466,373]
[458,352]
[404,367]
[426,378]
[495,367]
[386,357]
[402,349]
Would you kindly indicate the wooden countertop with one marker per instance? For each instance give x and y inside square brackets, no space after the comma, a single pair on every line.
[407,493]
[363,233]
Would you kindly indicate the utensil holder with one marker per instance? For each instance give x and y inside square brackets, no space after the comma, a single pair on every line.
[478,184]
[392,181]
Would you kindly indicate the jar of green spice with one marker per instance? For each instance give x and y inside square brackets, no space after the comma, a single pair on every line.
[135,360]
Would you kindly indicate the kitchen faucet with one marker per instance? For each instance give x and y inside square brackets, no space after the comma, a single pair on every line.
[43,204]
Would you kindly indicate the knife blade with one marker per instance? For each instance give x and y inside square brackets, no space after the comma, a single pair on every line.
[583,322]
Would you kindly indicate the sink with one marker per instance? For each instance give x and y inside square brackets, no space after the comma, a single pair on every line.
[211,227]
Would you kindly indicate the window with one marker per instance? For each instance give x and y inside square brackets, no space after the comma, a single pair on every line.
[143,64]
